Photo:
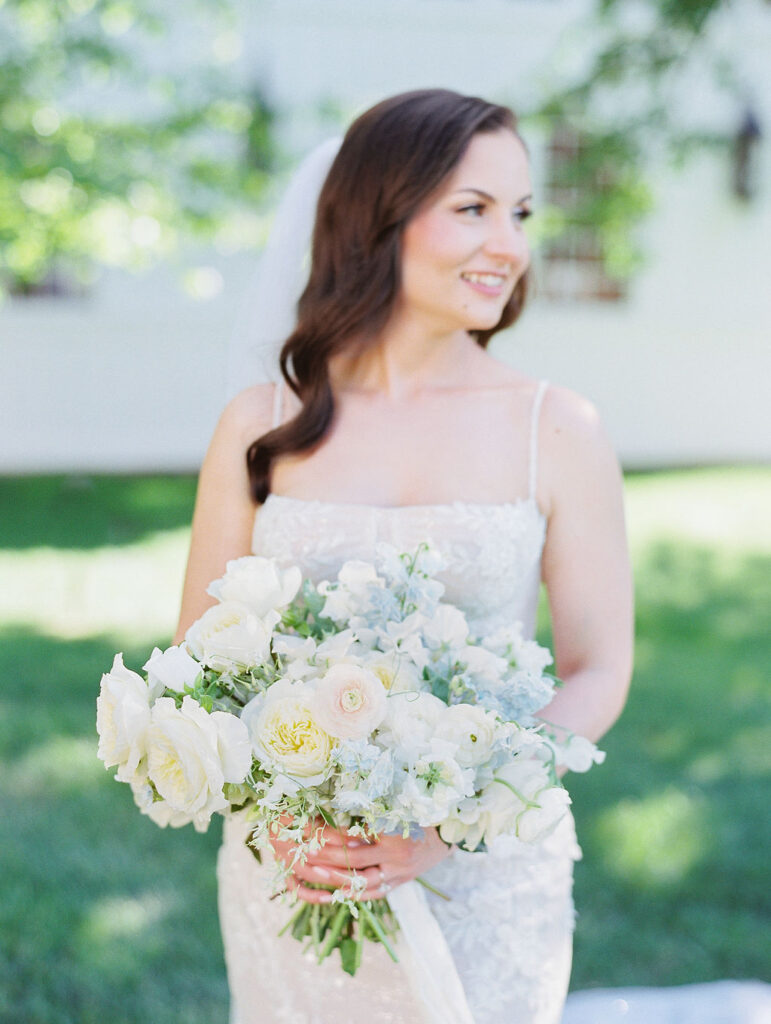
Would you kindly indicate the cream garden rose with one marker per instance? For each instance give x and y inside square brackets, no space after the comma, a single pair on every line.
[231,634]
[349,702]
[123,717]
[286,735]
[191,755]
[258,583]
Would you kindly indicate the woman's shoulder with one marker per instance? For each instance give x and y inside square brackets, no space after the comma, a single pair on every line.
[249,413]
[566,412]
[577,454]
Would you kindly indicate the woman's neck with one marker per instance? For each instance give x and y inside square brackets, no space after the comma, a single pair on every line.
[403,359]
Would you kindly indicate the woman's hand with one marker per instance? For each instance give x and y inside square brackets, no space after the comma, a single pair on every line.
[383,863]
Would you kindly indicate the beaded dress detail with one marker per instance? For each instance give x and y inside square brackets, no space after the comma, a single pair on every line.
[509,922]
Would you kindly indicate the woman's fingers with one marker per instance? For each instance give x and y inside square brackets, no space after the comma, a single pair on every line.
[369,884]
[346,856]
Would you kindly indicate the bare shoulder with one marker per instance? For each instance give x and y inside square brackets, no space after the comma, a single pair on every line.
[576,452]
[569,416]
[248,415]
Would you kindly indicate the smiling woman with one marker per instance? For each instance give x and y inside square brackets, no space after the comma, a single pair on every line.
[398,426]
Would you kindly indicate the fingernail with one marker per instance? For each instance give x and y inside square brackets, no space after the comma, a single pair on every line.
[323,873]
[325,897]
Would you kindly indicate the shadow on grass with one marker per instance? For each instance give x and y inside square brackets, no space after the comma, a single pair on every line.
[674,884]
[91,511]
[104,916]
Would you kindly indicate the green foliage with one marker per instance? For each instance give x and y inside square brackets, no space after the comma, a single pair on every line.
[121,133]
[624,111]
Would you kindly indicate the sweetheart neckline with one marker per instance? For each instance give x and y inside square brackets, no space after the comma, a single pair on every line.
[457,504]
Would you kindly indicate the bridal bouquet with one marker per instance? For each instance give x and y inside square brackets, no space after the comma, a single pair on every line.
[361,703]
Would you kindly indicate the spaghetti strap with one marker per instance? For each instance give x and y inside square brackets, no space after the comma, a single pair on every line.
[278,395]
[534,417]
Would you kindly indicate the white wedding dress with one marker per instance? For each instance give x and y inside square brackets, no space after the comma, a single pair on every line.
[509,923]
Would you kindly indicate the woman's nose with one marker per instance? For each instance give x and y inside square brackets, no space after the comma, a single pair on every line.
[507,241]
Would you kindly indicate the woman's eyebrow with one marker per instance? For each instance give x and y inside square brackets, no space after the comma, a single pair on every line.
[486,195]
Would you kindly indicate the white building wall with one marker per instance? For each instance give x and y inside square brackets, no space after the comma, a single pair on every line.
[132,378]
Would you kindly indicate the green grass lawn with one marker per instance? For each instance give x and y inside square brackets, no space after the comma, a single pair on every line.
[106,919]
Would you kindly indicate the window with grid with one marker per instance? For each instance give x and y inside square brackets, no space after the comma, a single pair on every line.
[572,266]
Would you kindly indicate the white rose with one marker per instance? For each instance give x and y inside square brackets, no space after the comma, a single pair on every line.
[231,634]
[192,754]
[172,669]
[349,702]
[284,732]
[473,729]
[122,718]
[158,810]
[258,583]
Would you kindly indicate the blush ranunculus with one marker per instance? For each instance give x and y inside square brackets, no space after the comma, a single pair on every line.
[349,702]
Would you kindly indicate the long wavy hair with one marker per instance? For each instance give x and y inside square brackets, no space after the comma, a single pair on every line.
[392,159]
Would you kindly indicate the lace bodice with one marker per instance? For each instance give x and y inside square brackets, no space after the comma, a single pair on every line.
[493,552]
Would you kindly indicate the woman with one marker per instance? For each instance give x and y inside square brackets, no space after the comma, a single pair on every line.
[399,426]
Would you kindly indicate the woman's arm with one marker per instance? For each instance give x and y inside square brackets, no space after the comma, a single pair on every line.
[585,566]
[224,511]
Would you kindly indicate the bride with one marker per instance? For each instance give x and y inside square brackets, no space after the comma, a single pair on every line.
[397,425]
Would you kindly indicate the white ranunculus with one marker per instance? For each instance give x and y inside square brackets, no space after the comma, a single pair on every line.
[172,669]
[231,634]
[257,582]
[191,754]
[349,702]
[284,732]
[474,731]
[122,718]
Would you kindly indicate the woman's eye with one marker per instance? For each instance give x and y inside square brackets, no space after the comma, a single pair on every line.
[475,209]
[522,214]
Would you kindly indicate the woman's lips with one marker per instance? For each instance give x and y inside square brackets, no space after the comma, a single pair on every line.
[484,282]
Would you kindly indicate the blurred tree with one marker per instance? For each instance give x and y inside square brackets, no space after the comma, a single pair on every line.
[626,110]
[123,130]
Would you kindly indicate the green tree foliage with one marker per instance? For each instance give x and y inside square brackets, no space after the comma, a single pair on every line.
[123,130]
[625,108]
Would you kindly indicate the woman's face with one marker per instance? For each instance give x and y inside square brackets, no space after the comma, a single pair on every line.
[464,252]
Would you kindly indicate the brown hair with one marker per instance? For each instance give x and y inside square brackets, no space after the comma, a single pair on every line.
[393,157]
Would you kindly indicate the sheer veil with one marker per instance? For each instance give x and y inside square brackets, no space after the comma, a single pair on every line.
[269,308]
